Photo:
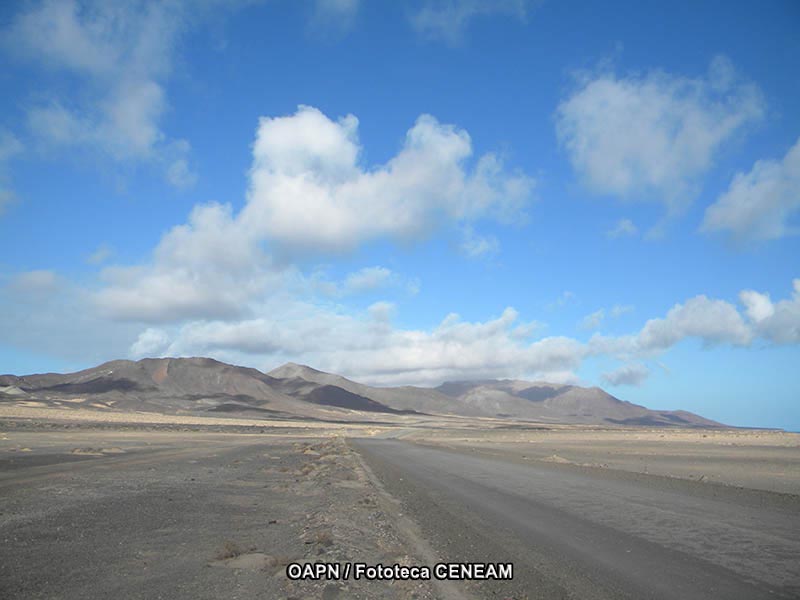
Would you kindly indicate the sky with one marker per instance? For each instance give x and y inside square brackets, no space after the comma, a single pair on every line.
[411,192]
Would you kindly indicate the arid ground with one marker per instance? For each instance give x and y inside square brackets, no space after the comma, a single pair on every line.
[99,505]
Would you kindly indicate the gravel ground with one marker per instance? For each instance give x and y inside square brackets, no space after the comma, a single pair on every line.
[188,515]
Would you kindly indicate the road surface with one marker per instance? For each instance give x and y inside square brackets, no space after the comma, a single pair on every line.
[576,532]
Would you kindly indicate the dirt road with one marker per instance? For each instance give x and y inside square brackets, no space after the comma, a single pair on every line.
[594,533]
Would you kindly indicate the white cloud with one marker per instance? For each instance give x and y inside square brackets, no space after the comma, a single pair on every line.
[45,313]
[42,312]
[597,318]
[777,322]
[58,34]
[180,175]
[620,309]
[122,54]
[651,137]
[59,126]
[448,20]
[368,346]
[308,190]
[35,283]
[759,204]
[630,374]
[150,343]
[712,321]
[100,255]
[624,227]
[475,245]
[366,279]
[382,312]
[593,320]
[758,307]
[207,268]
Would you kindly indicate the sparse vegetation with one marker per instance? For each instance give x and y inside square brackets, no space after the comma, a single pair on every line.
[229,550]
[324,537]
[278,562]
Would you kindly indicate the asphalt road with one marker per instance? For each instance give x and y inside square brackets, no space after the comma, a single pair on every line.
[593,533]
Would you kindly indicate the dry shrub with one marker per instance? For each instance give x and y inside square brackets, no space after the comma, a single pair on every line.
[324,537]
[229,550]
[279,561]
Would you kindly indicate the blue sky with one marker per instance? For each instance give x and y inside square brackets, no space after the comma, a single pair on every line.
[410,192]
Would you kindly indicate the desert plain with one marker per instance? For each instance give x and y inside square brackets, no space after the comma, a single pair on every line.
[98,505]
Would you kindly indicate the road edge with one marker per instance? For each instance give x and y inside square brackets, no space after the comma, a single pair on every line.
[408,528]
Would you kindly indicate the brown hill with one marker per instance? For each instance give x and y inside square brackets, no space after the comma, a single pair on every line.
[169,385]
[525,400]
[179,385]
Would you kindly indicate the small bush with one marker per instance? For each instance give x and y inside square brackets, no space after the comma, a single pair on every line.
[229,550]
[324,537]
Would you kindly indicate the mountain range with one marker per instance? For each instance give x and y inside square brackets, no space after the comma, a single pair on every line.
[205,385]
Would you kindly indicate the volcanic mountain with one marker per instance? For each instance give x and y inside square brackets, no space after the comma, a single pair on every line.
[195,385]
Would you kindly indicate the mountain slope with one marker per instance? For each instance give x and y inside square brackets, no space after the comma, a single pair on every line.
[179,385]
[171,385]
[404,398]
[544,401]
[535,401]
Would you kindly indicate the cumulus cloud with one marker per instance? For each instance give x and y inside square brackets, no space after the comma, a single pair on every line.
[42,311]
[652,136]
[758,307]
[630,374]
[759,204]
[367,345]
[447,20]
[122,53]
[777,322]
[150,343]
[207,268]
[712,321]
[308,190]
